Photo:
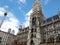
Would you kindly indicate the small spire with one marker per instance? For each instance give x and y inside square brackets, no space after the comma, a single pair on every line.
[58,11]
[9,30]
[37,1]
[21,26]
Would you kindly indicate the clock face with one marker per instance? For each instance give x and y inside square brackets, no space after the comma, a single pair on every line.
[34,21]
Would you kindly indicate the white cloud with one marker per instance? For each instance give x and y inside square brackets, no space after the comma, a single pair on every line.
[46,2]
[2,11]
[22,1]
[10,22]
[27,18]
[21,10]
[6,6]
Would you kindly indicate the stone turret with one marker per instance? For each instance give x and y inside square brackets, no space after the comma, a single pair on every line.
[59,13]
[20,29]
[9,30]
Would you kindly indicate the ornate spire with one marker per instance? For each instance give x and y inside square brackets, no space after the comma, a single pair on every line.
[37,6]
[37,1]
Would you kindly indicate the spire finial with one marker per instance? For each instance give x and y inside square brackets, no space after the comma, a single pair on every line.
[37,1]
[58,10]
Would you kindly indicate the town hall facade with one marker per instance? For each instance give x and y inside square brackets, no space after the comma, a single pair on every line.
[41,31]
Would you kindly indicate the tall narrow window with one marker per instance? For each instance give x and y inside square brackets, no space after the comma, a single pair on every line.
[0,39]
[31,35]
[31,43]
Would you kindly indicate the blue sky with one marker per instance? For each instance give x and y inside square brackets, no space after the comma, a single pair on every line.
[19,10]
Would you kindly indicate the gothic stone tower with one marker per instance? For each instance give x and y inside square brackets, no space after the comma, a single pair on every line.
[36,18]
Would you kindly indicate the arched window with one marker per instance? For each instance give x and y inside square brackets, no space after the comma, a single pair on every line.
[31,43]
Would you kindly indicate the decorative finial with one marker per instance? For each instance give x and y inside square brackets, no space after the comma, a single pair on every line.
[59,9]
[6,12]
